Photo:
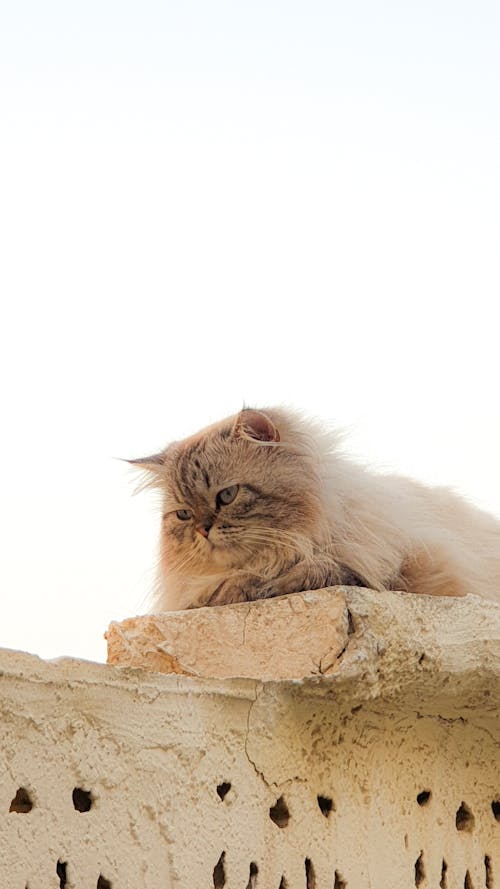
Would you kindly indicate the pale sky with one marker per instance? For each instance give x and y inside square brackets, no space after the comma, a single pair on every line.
[208,203]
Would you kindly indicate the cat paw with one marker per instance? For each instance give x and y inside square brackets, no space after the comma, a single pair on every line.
[264,591]
[248,589]
[227,594]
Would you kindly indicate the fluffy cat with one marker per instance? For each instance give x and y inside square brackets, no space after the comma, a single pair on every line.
[263,503]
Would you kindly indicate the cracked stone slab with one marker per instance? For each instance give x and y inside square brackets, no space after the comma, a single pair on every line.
[290,637]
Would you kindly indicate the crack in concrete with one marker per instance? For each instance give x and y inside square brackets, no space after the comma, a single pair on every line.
[446,720]
[322,669]
[245,627]
[259,689]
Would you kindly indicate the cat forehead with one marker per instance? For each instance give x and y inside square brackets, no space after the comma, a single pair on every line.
[202,464]
[213,460]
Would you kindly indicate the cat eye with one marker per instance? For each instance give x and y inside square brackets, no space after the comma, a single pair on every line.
[227,495]
[183,514]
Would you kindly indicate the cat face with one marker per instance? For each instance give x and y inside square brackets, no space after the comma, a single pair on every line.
[235,495]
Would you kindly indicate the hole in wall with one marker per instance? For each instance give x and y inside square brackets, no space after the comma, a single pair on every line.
[339,883]
[419,870]
[220,873]
[22,802]
[310,874]
[82,799]
[223,789]
[279,813]
[326,805]
[423,797]
[61,873]
[468,884]
[103,883]
[495,808]
[252,879]
[489,872]
[464,818]
[283,884]
[443,883]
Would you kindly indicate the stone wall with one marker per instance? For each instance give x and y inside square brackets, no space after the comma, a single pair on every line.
[377,768]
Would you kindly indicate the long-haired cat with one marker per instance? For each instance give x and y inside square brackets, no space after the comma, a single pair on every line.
[263,503]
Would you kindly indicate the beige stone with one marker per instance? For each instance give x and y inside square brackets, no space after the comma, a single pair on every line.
[285,638]
[383,773]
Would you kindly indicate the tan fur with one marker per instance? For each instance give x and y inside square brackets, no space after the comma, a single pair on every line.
[304,517]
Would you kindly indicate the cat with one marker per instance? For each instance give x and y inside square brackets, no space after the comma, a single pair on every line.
[264,503]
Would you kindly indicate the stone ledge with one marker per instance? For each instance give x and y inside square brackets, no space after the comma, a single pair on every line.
[340,637]
[412,649]
[285,638]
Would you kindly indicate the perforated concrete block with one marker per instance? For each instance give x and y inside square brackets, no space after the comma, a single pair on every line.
[382,774]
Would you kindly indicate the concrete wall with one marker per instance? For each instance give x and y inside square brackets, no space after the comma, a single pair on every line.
[383,774]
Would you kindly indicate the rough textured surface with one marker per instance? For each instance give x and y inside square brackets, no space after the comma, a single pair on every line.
[381,638]
[383,774]
[286,638]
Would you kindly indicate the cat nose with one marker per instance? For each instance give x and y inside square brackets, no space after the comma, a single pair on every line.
[203,529]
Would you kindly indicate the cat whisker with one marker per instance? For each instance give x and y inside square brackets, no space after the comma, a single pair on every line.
[274,541]
[184,563]
[280,532]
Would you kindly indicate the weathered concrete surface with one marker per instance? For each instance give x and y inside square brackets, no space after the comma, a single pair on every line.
[387,768]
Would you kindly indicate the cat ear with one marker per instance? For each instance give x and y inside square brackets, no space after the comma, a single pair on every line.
[151,463]
[256,425]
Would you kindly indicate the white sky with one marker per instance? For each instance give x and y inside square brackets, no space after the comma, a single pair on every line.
[205,203]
